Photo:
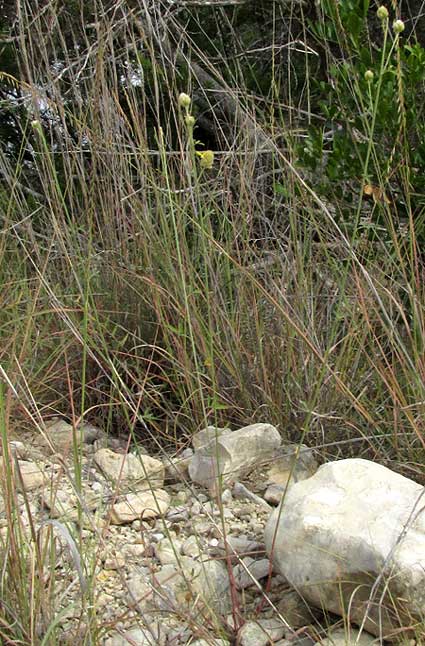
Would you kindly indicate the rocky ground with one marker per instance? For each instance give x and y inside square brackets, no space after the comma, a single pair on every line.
[171,547]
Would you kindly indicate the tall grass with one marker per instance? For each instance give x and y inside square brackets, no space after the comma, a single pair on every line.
[153,296]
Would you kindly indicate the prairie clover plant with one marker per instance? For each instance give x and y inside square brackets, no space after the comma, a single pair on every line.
[206,157]
[370,129]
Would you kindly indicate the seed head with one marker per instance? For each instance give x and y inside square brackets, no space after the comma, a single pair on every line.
[382,13]
[398,26]
[184,100]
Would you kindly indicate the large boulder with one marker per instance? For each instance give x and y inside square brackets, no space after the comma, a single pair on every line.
[351,539]
[222,456]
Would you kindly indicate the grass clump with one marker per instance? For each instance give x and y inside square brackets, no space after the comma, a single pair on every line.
[183,243]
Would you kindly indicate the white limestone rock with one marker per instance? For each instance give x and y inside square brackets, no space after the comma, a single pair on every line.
[20,450]
[130,468]
[207,435]
[249,572]
[168,551]
[210,642]
[347,532]
[31,475]
[135,635]
[261,632]
[230,455]
[177,467]
[192,546]
[274,494]
[63,503]
[142,505]
[295,463]
[176,587]
[353,637]
[295,610]
[239,546]
[59,436]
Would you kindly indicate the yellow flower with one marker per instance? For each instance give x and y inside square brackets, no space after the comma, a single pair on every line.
[207,159]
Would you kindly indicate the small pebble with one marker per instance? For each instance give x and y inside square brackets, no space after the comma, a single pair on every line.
[196,508]
[226,497]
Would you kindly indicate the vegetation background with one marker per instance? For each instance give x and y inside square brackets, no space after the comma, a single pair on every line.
[152,287]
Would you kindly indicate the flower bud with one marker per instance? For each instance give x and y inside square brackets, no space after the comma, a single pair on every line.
[190,121]
[184,100]
[368,76]
[398,26]
[382,13]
